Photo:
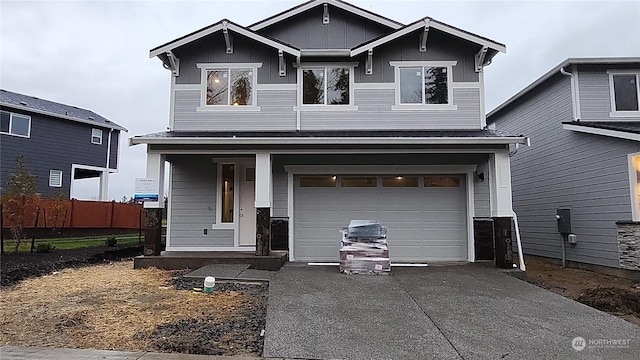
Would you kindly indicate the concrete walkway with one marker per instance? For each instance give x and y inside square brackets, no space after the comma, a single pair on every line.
[455,312]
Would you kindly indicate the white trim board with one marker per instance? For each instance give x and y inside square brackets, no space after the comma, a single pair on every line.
[603,132]
[339,4]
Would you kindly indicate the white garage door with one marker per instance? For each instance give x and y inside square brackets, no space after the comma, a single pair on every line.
[426,215]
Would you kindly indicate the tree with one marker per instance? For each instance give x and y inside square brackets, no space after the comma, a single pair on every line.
[21,200]
[58,211]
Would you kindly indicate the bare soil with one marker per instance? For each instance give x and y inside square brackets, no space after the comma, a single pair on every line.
[113,307]
[611,294]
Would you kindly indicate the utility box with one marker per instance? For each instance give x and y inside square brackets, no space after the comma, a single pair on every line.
[564,221]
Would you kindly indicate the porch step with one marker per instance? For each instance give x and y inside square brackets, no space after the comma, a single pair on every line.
[179,260]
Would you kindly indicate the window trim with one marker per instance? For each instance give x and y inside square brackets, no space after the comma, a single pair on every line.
[58,185]
[634,190]
[612,94]
[11,114]
[204,67]
[93,136]
[397,65]
[325,106]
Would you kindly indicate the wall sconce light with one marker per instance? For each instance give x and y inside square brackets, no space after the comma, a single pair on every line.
[481,176]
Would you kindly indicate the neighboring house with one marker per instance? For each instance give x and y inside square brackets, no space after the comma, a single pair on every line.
[326,113]
[59,143]
[584,123]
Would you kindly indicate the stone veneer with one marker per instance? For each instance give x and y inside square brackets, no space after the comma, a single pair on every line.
[629,244]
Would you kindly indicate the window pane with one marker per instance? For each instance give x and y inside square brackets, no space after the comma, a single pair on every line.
[5,117]
[360,181]
[318,181]
[241,85]
[441,181]
[313,86]
[435,85]
[626,92]
[20,125]
[228,176]
[400,181]
[96,136]
[338,86]
[411,86]
[217,87]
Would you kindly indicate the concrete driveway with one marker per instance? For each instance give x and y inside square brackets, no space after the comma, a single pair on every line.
[454,312]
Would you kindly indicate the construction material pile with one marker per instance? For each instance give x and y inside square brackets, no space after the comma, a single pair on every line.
[364,248]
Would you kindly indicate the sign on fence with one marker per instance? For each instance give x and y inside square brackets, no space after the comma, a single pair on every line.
[146,190]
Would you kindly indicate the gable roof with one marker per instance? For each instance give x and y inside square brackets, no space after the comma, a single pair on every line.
[14,100]
[430,23]
[556,70]
[219,26]
[313,3]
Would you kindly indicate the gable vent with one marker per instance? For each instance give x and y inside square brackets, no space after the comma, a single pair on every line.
[55,178]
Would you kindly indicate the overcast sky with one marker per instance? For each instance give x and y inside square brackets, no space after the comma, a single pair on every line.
[95,54]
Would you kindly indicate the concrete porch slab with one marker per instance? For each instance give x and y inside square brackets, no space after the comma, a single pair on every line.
[219,271]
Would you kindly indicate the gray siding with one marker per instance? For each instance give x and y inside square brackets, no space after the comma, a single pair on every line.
[344,31]
[54,145]
[193,203]
[564,169]
[374,112]
[280,192]
[482,205]
[595,96]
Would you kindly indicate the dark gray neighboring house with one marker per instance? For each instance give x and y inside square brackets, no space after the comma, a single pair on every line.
[584,123]
[59,143]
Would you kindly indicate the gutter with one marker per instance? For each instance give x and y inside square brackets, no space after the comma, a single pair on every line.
[332,141]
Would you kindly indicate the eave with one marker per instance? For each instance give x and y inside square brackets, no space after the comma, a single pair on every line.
[219,26]
[597,130]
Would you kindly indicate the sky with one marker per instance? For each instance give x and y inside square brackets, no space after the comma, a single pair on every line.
[95,54]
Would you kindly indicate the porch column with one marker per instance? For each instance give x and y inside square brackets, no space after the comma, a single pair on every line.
[500,185]
[104,186]
[153,223]
[264,201]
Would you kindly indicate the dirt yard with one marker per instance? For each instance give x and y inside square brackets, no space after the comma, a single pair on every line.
[614,295]
[113,307]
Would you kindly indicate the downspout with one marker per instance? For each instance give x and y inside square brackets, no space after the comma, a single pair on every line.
[298,95]
[573,94]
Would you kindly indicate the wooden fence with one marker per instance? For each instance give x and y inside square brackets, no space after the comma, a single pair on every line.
[78,214]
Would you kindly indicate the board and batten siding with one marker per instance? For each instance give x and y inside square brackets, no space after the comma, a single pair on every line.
[564,169]
[374,112]
[595,97]
[193,204]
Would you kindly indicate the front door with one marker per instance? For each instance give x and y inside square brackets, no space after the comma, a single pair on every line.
[247,230]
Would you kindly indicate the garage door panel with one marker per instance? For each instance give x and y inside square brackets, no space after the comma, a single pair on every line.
[425,224]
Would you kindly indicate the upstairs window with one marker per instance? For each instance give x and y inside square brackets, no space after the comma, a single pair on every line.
[423,83]
[228,86]
[625,93]
[15,124]
[55,178]
[96,136]
[326,85]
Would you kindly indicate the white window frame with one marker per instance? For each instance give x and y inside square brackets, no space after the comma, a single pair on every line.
[94,135]
[11,114]
[204,67]
[397,65]
[634,186]
[623,113]
[325,106]
[51,177]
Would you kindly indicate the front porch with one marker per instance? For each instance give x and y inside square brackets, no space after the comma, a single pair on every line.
[178,260]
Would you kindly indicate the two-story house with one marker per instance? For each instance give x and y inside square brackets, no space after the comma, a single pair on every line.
[58,143]
[583,164]
[325,113]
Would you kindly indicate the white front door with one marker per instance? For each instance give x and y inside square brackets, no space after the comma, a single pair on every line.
[247,228]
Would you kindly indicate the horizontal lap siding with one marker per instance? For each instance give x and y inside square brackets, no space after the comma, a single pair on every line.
[193,204]
[280,192]
[481,197]
[595,97]
[565,169]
